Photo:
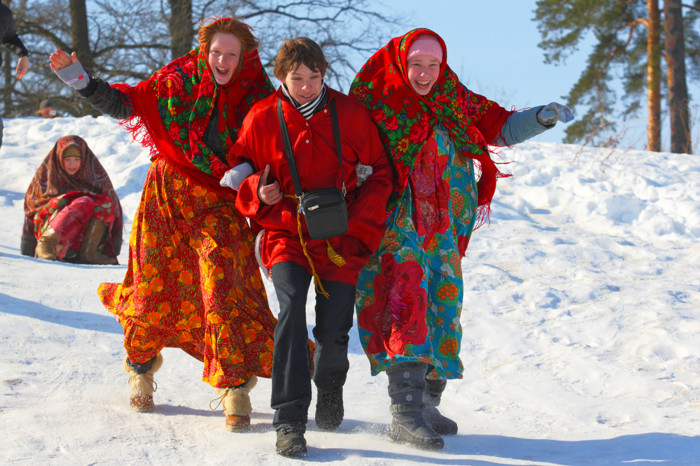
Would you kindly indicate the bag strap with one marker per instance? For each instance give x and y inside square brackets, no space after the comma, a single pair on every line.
[336,136]
[290,153]
[288,150]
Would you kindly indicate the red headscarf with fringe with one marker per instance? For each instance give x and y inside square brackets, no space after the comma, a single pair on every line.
[173,108]
[406,119]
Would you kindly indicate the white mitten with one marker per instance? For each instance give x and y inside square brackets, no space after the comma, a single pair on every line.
[235,176]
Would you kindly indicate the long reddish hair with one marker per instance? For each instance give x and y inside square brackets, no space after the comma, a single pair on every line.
[243,32]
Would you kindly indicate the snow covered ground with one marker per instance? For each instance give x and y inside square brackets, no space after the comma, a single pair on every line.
[581,329]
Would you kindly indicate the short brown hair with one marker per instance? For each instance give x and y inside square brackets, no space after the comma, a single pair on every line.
[295,52]
[242,31]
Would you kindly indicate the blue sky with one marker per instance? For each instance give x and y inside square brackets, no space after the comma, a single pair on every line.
[492,46]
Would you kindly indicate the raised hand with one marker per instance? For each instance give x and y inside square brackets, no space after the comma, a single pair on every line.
[69,69]
[60,59]
[553,112]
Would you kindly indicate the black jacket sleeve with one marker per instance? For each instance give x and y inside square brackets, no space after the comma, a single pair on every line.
[107,100]
[8,33]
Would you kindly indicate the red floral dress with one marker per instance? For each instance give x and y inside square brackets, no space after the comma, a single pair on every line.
[192,282]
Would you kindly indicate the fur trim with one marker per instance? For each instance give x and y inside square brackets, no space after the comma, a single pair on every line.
[235,400]
[141,385]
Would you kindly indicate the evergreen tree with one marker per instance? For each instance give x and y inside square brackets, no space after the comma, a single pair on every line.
[629,43]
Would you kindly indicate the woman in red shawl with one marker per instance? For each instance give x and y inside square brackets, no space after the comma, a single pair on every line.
[192,281]
[72,212]
[409,296]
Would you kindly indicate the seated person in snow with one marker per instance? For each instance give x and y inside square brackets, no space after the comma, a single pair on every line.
[72,212]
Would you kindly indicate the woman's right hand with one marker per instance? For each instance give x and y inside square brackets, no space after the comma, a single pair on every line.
[60,59]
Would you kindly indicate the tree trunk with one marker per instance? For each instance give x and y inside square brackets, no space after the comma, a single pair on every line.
[79,34]
[181,30]
[653,77]
[676,78]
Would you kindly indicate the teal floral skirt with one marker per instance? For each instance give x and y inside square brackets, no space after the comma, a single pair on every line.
[409,295]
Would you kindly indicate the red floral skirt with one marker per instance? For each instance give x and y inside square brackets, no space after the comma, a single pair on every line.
[193,283]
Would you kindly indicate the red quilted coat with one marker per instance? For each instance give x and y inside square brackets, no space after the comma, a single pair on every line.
[260,141]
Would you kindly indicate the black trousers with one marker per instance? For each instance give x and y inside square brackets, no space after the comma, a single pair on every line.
[291,367]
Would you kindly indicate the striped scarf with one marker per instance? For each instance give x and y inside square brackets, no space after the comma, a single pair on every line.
[312,107]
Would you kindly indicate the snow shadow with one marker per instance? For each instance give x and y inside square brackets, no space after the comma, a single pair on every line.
[641,449]
[493,450]
[9,197]
[74,319]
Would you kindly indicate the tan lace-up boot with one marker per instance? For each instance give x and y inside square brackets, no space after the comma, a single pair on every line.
[237,407]
[142,386]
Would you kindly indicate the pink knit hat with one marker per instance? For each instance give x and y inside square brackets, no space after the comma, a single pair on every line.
[425,44]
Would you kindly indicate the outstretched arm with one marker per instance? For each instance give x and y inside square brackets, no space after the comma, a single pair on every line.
[523,125]
[104,98]
[13,43]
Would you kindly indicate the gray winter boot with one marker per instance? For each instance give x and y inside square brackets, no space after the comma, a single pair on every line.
[408,425]
[431,398]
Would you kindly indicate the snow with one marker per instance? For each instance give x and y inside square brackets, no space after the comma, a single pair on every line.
[580,343]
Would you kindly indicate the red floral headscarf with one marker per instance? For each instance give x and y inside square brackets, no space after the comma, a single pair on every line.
[406,119]
[172,110]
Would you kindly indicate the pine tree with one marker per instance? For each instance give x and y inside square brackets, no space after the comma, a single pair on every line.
[630,39]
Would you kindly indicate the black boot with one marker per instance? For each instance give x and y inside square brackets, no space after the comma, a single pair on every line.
[290,440]
[329,410]
[431,398]
[408,425]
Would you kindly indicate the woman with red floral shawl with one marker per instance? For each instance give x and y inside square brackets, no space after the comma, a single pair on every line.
[72,212]
[192,281]
[409,296]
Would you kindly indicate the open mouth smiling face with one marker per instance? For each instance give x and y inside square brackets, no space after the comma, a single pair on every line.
[423,72]
[224,56]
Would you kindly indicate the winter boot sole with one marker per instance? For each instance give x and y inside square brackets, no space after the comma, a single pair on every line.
[293,451]
[330,410]
[142,404]
[237,423]
[399,434]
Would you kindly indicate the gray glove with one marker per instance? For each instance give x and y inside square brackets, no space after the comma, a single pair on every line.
[551,113]
[74,75]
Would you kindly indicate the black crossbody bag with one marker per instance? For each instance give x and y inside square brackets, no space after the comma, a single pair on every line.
[324,209]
